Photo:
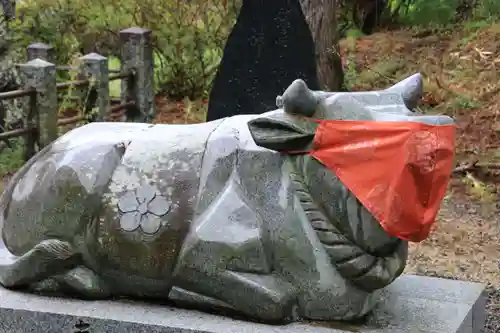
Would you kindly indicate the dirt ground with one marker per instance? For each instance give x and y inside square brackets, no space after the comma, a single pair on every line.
[462,79]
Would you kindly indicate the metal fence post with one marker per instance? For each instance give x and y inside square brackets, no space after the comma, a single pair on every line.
[40,75]
[137,56]
[42,51]
[95,67]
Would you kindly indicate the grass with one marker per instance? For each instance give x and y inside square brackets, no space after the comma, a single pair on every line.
[11,158]
[114,86]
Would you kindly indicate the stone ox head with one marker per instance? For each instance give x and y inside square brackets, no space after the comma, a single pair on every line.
[361,250]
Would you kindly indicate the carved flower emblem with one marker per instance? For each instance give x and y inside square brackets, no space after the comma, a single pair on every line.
[143,208]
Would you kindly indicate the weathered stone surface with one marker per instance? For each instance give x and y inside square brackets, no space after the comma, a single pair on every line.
[9,9]
[41,75]
[137,56]
[410,304]
[95,67]
[269,47]
[41,51]
[129,209]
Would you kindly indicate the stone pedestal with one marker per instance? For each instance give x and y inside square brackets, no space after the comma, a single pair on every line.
[410,304]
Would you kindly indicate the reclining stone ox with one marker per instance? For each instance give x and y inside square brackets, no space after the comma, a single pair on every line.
[212,214]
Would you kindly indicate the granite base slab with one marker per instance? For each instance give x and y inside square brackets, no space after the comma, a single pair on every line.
[410,304]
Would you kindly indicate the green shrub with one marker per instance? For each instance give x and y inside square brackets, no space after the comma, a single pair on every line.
[444,12]
[188,37]
[417,13]
[11,158]
[488,9]
[432,12]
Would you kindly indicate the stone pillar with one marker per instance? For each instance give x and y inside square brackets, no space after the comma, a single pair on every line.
[95,67]
[137,55]
[41,51]
[9,9]
[34,51]
[40,75]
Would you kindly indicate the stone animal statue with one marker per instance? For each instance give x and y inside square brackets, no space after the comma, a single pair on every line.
[205,214]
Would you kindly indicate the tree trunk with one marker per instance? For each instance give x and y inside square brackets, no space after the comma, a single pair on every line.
[372,14]
[320,15]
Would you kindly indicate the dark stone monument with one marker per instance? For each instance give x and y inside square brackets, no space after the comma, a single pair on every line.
[269,47]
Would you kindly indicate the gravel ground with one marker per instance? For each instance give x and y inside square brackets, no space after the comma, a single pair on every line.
[493,310]
[465,246]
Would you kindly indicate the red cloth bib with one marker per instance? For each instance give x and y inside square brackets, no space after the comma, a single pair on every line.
[398,170]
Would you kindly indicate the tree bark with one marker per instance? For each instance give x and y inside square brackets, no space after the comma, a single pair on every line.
[320,15]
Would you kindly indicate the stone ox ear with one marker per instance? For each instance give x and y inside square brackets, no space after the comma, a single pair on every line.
[278,134]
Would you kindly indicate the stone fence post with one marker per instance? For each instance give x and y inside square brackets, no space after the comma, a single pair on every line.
[9,9]
[41,51]
[47,53]
[95,67]
[40,75]
[137,56]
